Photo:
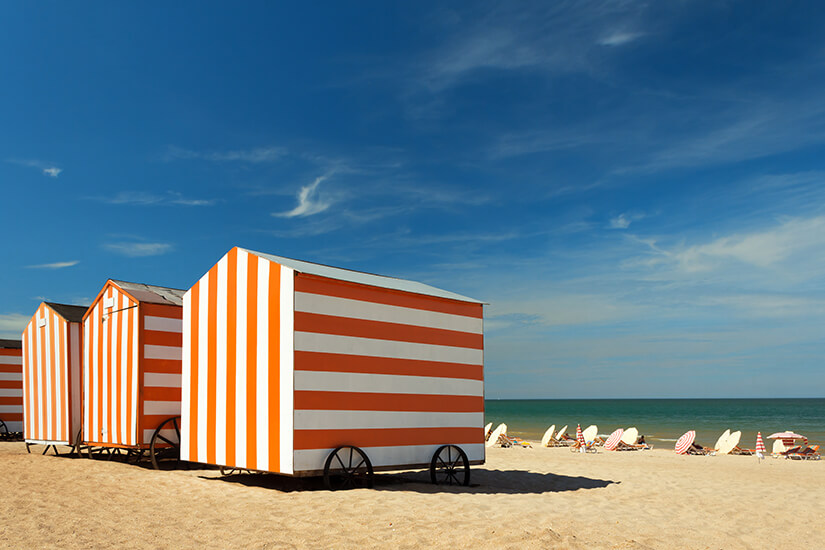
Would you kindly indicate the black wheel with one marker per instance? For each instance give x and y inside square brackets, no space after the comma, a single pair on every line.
[450,466]
[347,468]
[4,431]
[163,451]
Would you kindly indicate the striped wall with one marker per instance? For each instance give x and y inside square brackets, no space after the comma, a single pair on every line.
[110,368]
[11,388]
[394,373]
[160,366]
[237,365]
[51,378]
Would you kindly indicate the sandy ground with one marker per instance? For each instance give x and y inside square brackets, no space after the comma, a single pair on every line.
[533,498]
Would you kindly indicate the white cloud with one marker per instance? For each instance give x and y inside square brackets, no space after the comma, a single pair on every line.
[55,265]
[140,198]
[47,168]
[52,171]
[12,324]
[138,249]
[618,38]
[308,201]
[254,155]
[620,222]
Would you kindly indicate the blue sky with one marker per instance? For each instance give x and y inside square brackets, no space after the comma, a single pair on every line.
[637,190]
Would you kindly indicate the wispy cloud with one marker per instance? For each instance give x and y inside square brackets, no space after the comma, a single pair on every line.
[55,265]
[138,249]
[619,38]
[12,324]
[141,198]
[254,155]
[623,220]
[309,201]
[47,168]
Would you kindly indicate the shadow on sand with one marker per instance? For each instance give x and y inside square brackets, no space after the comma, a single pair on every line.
[482,482]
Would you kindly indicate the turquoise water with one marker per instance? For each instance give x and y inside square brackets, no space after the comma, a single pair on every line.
[664,420]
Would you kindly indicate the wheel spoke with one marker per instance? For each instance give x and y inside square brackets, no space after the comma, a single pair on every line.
[338,458]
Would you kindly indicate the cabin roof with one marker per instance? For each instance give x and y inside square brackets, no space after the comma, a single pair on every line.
[152,294]
[73,314]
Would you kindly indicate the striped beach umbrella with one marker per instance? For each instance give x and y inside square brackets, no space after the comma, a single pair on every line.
[613,441]
[760,445]
[684,442]
[580,437]
[788,438]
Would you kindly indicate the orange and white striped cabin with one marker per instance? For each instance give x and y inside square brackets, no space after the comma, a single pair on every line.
[284,361]
[131,363]
[51,374]
[11,385]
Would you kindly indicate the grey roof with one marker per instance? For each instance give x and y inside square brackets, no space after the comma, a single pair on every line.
[363,278]
[73,314]
[152,294]
[11,344]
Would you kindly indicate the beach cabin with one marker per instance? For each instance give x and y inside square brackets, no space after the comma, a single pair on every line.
[131,369]
[11,388]
[51,375]
[298,368]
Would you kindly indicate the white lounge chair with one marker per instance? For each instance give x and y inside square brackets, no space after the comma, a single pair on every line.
[549,437]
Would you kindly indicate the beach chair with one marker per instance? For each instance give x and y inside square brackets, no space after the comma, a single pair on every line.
[630,441]
[806,453]
[498,437]
[778,448]
[590,434]
[564,440]
[549,437]
[735,449]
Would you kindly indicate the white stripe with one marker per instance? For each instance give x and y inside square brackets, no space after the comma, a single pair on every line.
[41,380]
[11,376]
[11,359]
[134,383]
[87,378]
[75,418]
[201,366]
[357,309]
[220,374]
[60,325]
[162,324]
[262,382]
[14,426]
[287,368]
[11,392]
[358,420]
[105,370]
[28,414]
[162,380]
[48,335]
[162,352]
[240,362]
[10,409]
[385,383]
[186,376]
[350,345]
[122,337]
[313,459]
[171,408]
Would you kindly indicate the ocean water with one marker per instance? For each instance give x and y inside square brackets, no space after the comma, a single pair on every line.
[662,421]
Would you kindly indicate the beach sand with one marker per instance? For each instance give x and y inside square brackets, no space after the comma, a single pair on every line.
[521,498]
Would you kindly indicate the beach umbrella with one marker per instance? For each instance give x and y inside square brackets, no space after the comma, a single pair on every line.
[760,445]
[580,437]
[613,441]
[684,442]
[788,438]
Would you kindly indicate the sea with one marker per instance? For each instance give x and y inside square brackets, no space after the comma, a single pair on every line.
[662,421]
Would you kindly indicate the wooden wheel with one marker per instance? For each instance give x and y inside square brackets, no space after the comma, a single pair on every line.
[450,466]
[164,451]
[347,467]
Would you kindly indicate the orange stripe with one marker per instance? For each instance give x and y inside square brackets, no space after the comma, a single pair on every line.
[99,371]
[110,362]
[152,421]
[9,351]
[12,417]
[5,400]
[212,365]
[62,345]
[193,387]
[12,368]
[41,382]
[356,401]
[354,291]
[231,349]
[170,311]
[161,366]
[274,379]
[117,321]
[347,326]
[251,361]
[26,404]
[386,437]
[153,393]
[333,362]
[55,368]
[12,384]
[160,338]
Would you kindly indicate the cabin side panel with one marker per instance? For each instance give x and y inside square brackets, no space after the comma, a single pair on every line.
[160,367]
[110,370]
[237,365]
[11,389]
[395,373]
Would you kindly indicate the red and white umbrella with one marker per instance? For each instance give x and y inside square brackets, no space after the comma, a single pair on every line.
[579,435]
[788,438]
[760,445]
[684,442]
[613,441]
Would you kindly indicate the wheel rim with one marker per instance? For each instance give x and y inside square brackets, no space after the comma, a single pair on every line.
[162,450]
[450,466]
[348,468]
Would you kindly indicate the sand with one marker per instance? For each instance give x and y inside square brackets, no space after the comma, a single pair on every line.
[522,498]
